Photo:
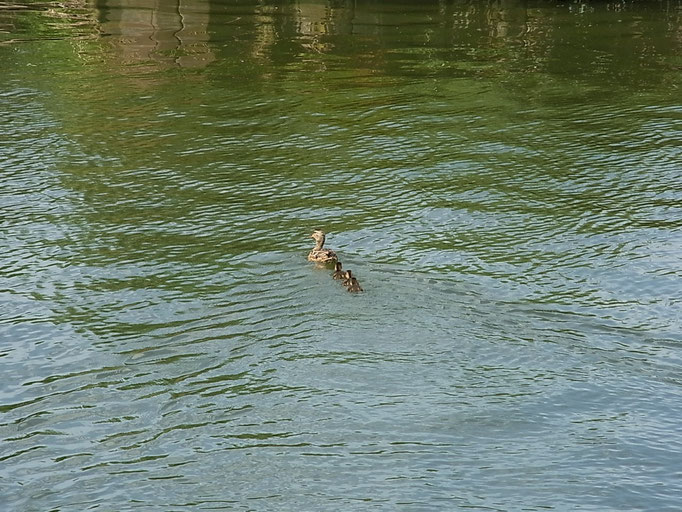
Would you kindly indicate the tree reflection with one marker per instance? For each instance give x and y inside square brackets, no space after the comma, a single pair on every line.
[436,37]
[165,31]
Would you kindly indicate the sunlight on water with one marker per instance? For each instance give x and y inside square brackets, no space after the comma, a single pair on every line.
[502,178]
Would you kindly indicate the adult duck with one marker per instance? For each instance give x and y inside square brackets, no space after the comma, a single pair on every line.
[319,254]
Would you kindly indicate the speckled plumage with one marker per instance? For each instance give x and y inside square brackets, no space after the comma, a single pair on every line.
[354,286]
[347,278]
[319,254]
[338,273]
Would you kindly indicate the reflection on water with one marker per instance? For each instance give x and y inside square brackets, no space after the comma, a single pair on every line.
[502,177]
[522,36]
[168,31]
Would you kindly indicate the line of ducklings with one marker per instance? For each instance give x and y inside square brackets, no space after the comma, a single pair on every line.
[349,280]
[321,255]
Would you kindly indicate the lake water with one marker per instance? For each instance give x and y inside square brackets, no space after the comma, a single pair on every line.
[504,178]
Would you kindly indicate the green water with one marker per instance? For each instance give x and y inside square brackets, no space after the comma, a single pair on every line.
[504,179]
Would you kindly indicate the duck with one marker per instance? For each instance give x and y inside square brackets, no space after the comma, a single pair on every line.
[338,273]
[354,286]
[347,278]
[318,254]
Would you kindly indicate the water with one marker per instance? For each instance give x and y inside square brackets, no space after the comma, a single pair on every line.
[504,178]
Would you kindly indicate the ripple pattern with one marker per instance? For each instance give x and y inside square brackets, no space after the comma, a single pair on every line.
[512,213]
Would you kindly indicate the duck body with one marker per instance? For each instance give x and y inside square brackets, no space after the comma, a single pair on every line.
[319,254]
[347,278]
[323,256]
[354,286]
[338,273]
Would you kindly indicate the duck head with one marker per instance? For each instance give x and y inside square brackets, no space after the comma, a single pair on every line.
[318,235]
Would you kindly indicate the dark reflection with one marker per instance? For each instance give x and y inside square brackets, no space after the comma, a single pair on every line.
[434,38]
[167,31]
[454,38]
[27,21]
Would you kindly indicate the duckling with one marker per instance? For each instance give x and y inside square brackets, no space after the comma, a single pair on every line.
[338,273]
[348,277]
[319,254]
[354,286]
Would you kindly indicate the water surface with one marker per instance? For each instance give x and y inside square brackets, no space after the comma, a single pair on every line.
[504,178]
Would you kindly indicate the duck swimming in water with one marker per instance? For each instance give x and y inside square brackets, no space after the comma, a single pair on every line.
[354,286]
[347,278]
[320,254]
[338,273]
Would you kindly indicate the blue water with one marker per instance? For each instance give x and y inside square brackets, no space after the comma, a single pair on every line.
[505,181]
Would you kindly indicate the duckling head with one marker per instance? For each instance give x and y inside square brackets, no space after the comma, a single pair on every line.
[349,275]
[337,266]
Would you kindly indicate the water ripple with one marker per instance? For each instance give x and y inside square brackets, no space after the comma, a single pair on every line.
[510,210]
